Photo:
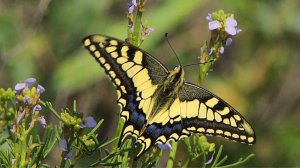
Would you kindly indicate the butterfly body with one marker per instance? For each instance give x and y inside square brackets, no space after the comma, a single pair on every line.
[166,93]
[159,105]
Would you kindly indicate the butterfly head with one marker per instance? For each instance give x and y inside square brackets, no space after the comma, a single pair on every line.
[176,76]
[178,70]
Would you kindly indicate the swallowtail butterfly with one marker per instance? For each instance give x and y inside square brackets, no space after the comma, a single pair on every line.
[158,105]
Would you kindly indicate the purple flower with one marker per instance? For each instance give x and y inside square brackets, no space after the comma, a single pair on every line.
[27,83]
[40,89]
[228,42]
[89,122]
[63,144]
[27,100]
[20,117]
[165,146]
[70,156]
[42,121]
[134,2]
[222,50]
[214,24]
[231,26]
[208,17]
[131,6]
[37,108]
[19,87]
[30,81]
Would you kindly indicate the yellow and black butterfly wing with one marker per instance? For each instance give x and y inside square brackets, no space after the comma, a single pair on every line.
[196,110]
[205,113]
[134,72]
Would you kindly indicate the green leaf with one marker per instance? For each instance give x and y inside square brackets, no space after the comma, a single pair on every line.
[217,156]
[239,162]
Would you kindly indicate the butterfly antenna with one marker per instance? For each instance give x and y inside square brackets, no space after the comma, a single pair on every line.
[166,36]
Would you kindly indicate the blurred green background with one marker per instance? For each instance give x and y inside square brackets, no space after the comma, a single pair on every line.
[258,75]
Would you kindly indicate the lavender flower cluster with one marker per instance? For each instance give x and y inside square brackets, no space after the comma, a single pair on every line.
[27,100]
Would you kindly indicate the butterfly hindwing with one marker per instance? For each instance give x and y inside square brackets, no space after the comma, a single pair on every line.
[208,114]
[196,110]
[134,72]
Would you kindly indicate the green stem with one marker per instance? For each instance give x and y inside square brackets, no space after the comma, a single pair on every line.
[23,150]
[116,143]
[126,154]
[118,133]
[204,159]
[209,55]
[172,155]
[204,68]
[49,106]
[238,163]
[62,163]
[137,26]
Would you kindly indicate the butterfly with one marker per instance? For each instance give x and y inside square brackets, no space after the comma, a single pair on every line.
[158,105]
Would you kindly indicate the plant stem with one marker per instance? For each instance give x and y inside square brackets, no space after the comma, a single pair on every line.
[203,70]
[49,106]
[62,163]
[172,155]
[118,133]
[23,145]
[239,162]
[137,26]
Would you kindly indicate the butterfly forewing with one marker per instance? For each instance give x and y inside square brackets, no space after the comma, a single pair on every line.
[135,74]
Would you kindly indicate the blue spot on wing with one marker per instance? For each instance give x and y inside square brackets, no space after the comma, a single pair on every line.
[166,130]
[137,117]
[177,127]
[134,115]
[155,130]
[132,104]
